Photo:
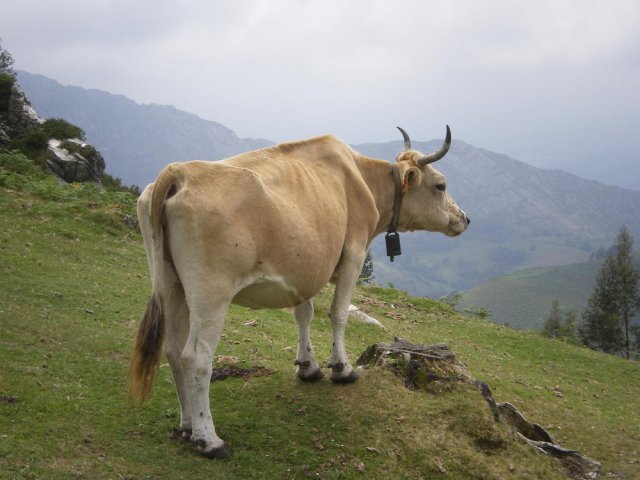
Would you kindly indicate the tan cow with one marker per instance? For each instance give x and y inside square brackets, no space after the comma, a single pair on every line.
[268,229]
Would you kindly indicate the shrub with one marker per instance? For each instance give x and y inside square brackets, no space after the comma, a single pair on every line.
[114,184]
[16,162]
[6,85]
[33,143]
[84,150]
[61,129]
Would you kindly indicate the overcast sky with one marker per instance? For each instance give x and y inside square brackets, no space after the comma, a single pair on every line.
[506,75]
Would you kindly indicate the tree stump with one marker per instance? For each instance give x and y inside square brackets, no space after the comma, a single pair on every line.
[417,364]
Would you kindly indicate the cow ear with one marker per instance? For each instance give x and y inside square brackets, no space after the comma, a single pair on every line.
[410,178]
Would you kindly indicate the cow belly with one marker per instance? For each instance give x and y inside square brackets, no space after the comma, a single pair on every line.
[268,293]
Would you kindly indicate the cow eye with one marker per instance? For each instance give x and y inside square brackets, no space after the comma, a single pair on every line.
[441,186]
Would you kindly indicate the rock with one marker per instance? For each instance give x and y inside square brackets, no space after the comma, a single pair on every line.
[71,160]
[75,161]
[364,318]
[576,464]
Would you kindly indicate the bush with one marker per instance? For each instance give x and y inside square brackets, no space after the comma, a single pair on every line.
[84,150]
[114,184]
[35,140]
[33,143]
[6,85]
[61,129]
[18,163]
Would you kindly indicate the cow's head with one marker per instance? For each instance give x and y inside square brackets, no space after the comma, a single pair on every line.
[426,204]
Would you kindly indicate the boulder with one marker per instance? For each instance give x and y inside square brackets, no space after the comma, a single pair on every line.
[75,161]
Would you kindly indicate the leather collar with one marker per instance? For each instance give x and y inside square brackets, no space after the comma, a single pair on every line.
[392,238]
[397,199]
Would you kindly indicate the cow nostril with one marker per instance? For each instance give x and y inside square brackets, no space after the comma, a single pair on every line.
[468,220]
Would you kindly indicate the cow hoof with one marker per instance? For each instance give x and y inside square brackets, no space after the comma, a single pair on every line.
[219,453]
[352,377]
[312,376]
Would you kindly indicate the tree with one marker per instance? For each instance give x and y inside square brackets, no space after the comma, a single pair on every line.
[552,323]
[614,301]
[558,326]
[569,329]
[6,62]
[366,275]
[7,78]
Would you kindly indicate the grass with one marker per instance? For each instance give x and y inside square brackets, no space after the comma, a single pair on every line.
[73,286]
[523,299]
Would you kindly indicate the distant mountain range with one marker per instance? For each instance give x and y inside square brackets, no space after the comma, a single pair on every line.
[136,140]
[522,216]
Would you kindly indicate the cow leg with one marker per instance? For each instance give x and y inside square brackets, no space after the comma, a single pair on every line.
[308,368]
[177,316]
[341,370]
[175,310]
[206,323]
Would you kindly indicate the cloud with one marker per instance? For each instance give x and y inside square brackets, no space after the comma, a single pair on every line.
[292,68]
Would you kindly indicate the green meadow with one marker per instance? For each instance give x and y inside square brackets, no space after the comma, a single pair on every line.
[73,287]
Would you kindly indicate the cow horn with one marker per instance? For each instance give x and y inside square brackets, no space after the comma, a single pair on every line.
[407,140]
[438,154]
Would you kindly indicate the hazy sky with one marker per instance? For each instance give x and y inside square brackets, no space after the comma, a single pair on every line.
[506,75]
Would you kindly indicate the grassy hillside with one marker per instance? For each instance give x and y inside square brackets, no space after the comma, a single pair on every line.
[73,285]
[523,299]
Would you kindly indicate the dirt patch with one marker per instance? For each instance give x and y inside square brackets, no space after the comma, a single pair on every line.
[220,373]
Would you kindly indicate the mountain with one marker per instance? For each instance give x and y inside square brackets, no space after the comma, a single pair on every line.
[522,216]
[511,198]
[135,140]
[611,163]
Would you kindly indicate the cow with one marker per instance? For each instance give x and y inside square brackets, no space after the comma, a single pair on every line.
[268,229]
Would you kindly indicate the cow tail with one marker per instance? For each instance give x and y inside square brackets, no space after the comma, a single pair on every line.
[147,350]
[151,332]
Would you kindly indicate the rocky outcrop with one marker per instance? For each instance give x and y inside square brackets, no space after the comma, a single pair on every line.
[71,160]
[75,161]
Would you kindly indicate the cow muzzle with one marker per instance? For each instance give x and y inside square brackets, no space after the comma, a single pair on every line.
[456,228]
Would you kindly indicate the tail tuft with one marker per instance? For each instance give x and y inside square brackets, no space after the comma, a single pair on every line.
[147,351]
